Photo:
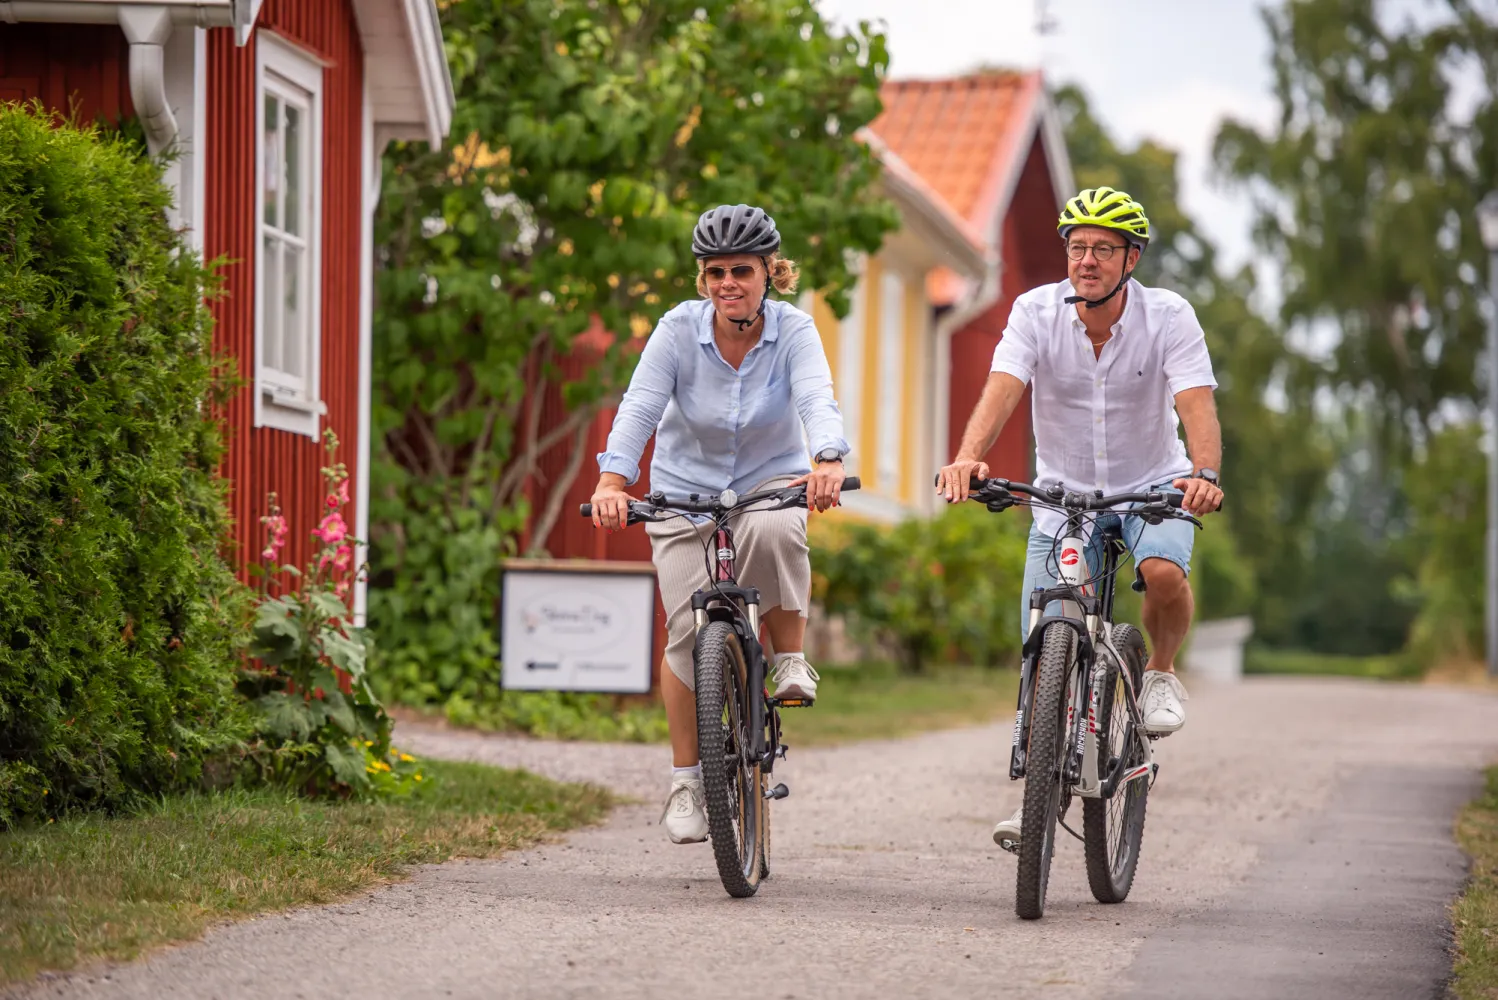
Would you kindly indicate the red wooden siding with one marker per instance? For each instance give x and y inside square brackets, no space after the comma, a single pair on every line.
[1031,256]
[69,67]
[262,459]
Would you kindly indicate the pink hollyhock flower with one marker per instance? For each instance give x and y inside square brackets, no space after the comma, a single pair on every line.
[343,558]
[343,491]
[332,530]
[268,554]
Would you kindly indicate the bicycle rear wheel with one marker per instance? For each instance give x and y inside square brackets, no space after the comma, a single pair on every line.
[1113,828]
[1043,771]
[731,780]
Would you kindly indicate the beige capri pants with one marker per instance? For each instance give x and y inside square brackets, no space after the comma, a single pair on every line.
[770,555]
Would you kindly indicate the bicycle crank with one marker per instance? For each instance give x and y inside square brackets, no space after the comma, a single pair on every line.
[778,792]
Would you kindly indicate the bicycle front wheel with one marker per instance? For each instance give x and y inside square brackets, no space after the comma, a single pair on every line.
[731,779]
[1113,828]
[1043,764]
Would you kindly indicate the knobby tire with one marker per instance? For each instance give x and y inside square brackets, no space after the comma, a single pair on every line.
[732,788]
[1048,735]
[1113,829]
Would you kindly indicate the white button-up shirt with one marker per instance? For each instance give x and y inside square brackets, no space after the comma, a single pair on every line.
[1105,421]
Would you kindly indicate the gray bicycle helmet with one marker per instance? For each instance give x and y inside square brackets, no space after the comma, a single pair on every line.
[731,229]
[735,229]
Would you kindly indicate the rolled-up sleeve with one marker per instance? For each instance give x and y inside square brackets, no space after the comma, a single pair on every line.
[811,389]
[639,413]
[1187,363]
[1016,353]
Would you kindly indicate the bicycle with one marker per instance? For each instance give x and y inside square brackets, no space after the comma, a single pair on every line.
[734,711]
[1078,727]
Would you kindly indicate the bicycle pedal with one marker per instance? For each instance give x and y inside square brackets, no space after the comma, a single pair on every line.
[1012,846]
[793,702]
[778,792]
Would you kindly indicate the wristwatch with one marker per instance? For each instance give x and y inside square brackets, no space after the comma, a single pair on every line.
[1210,475]
[827,455]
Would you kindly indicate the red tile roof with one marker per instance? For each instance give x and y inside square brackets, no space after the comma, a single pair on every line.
[962,135]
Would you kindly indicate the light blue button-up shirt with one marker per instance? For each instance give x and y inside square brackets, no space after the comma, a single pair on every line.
[719,428]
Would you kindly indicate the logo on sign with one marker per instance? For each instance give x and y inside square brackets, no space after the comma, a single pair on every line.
[1069,557]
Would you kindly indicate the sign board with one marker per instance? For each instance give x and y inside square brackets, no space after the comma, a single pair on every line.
[577,626]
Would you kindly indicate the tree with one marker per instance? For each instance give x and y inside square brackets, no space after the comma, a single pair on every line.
[1365,190]
[590,137]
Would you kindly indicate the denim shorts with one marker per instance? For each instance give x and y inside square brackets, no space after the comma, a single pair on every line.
[1170,540]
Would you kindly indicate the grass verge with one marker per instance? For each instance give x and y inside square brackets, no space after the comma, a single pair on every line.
[1393,667]
[110,887]
[876,701]
[1475,915]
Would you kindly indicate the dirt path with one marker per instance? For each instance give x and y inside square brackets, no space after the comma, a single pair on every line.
[887,884]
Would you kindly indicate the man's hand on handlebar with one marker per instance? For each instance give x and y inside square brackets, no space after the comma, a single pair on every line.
[955,481]
[1201,496]
[611,503]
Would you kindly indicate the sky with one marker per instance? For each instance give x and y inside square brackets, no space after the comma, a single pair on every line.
[1170,70]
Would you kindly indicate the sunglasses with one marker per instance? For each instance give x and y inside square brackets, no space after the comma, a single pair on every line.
[740,272]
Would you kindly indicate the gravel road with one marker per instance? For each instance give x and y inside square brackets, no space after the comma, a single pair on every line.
[1298,844]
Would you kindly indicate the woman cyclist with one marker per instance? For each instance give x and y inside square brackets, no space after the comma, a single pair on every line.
[734,385]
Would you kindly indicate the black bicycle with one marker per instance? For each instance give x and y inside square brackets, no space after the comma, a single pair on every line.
[1078,727]
[736,716]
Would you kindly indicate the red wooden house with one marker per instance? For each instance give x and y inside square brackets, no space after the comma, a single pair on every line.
[277,112]
[991,146]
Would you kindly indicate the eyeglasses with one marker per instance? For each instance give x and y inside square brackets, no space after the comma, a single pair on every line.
[1100,251]
[740,272]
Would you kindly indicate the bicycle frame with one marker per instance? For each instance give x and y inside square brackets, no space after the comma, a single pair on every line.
[1090,615]
[739,607]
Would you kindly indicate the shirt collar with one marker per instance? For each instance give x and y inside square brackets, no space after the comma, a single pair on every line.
[1131,303]
[770,334]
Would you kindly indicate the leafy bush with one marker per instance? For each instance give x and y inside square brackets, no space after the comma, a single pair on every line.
[1447,491]
[324,729]
[118,619]
[946,586]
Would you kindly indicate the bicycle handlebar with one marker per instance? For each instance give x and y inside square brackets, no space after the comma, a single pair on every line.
[1157,503]
[651,507]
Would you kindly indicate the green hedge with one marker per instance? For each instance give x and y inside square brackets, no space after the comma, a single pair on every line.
[945,587]
[118,616]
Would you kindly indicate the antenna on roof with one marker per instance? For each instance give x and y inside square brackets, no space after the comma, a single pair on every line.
[1045,24]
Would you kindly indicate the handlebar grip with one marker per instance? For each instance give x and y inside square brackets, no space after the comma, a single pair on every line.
[1174,500]
[586,510]
[852,483]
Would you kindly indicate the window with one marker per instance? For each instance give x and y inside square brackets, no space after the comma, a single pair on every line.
[288,207]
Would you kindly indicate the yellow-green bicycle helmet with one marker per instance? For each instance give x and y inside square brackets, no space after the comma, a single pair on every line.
[1103,206]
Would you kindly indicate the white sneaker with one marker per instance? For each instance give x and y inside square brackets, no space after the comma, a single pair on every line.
[1006,832]
[794,678]
[685,814]
[1160,702]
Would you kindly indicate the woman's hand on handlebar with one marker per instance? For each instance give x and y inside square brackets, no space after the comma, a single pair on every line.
[955,481]
[1201,496]
[824,485]
[611,503]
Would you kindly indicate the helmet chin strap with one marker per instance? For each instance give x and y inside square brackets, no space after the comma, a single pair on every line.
[1072,300]
[745,324]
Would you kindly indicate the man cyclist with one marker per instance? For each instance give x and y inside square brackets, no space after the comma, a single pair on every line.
[1116,367]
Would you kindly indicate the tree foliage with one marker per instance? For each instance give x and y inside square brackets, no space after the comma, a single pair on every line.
[1365,190]
[589,137]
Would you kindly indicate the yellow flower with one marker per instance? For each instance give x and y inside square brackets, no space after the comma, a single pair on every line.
[418,777]
[369,743]
[561,48]
[565,248]
[613,281]
[407,758]
[639,326]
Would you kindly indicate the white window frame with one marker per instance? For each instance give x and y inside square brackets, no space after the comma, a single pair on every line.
[293,76]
